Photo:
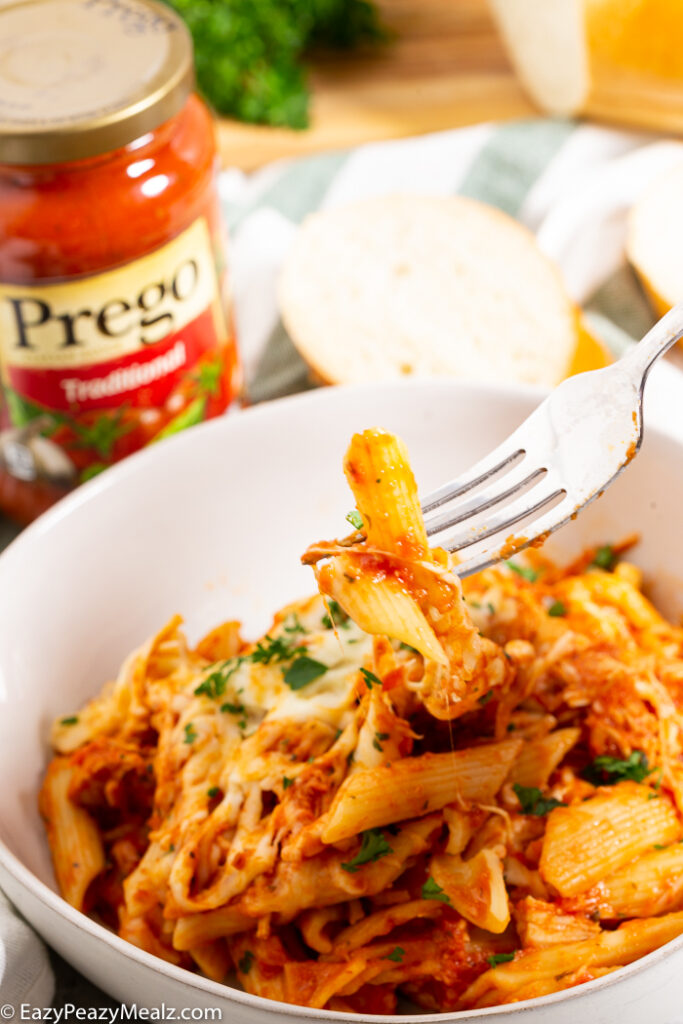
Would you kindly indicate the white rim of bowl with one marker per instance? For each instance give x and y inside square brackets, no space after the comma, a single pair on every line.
[39,890]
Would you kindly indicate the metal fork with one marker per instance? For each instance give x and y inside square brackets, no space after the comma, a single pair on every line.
[561,458]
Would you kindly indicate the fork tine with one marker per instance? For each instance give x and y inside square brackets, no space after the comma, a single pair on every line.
[489,554]
[499,460]
[483,500]
[505,520]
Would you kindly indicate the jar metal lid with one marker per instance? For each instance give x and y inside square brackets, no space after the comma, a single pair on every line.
[83,77]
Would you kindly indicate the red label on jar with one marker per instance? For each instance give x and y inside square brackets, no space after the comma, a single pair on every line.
[142,378]
[96,367]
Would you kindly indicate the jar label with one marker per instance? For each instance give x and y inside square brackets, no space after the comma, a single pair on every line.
[101,365]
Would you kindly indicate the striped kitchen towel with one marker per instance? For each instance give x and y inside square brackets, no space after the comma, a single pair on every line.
[570,183]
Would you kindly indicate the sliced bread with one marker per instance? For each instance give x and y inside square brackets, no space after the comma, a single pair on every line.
[655,230]
[412,285]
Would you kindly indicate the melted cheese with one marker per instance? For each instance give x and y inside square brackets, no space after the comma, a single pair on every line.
[329,698]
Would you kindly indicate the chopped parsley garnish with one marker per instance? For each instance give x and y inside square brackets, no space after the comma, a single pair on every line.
[660,846]
[69,720]
[295,624]
[233,709]
[370,678]
[274,649]
[215,683]
[557,609]
[213,792]
[532,801]
[606,771]
[373,846]
[190,733]
[485,698]
[491,608]
[377,740]
[432,891]
[355,518]
[500,958]
[245,962]
[396,955]
[407,647]
[287,782]
[336,616]
[523,570]
[303,671]
[605,558]
[212,686]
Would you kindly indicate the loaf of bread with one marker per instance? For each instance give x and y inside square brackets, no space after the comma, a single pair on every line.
[619,60]
[419,286]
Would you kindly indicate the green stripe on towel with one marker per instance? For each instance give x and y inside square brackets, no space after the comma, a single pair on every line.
[621,300]
[299,190]
[513,159]
[281,370]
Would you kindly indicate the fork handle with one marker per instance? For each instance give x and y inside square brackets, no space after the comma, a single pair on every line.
[665,333]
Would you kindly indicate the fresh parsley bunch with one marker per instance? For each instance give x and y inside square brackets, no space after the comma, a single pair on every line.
[248,53]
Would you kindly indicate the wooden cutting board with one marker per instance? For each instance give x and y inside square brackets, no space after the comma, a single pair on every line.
[444,66]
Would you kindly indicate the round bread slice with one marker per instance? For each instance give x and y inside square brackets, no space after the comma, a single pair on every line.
[655,230]
[413,285]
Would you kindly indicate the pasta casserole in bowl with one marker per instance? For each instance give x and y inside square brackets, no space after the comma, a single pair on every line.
[403,793]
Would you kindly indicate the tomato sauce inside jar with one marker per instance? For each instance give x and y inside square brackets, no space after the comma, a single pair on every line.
[115,330]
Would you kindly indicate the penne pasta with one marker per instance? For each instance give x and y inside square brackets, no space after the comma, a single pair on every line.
[380,923]
[318,983]
[315,924]
[77,849]
[475,888]
[650,885]
[379,606]
[539,758]
[410,788]
[587,842]
[324,880]
[379,474]
[384,795]
[541,924]
[609,949]
[213,959]
[194,929]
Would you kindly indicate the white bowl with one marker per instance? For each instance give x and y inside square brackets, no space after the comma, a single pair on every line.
[211,524]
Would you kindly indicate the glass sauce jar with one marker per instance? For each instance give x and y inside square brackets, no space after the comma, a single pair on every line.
[115,330]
